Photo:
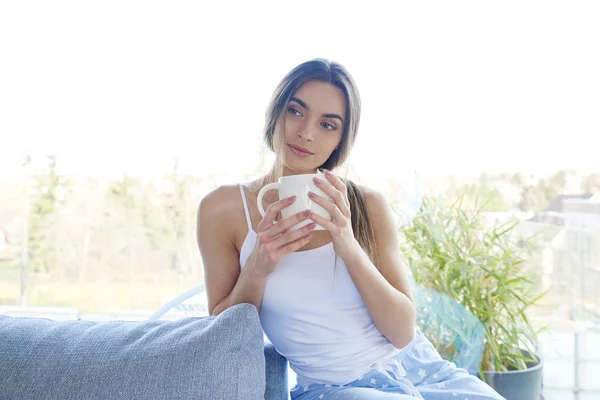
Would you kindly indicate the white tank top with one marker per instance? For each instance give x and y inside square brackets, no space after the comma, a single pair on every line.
[315,317]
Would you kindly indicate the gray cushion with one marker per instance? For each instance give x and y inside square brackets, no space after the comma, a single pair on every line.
[276,374]
[194,358]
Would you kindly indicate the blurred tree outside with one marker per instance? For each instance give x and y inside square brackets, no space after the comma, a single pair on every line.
[592,183]
[180,214]
[100,244]
[518,191]
[47,197]
[123,237]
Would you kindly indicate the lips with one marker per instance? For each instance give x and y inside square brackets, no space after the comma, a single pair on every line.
[300,149]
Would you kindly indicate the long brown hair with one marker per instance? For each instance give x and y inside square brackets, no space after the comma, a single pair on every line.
[334,73]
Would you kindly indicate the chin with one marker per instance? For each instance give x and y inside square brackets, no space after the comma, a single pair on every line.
[300,167]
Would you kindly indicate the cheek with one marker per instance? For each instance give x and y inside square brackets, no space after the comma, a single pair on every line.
[328,145]
[290,126]
[334,140]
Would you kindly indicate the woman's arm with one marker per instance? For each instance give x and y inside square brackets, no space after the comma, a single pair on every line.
[385,289]
[225,284]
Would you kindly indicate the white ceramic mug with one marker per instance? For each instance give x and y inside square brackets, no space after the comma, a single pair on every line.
[299,186]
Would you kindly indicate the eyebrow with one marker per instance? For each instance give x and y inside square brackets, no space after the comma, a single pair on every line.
[303,104]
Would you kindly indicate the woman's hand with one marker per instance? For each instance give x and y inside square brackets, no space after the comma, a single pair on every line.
[275,240]
[340,226]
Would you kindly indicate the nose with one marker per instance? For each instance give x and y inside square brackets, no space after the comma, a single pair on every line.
[306,133]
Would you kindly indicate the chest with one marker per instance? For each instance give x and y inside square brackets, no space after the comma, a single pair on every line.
[319,238]
[311,281]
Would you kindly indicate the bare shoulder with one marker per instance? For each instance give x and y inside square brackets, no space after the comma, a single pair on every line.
[221,200]
[376,202]
[220,207]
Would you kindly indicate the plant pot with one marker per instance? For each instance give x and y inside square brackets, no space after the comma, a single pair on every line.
[523,384]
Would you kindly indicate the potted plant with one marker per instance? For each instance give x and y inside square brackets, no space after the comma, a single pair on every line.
[474,283]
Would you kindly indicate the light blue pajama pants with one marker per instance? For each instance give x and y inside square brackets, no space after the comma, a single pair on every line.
[417,372]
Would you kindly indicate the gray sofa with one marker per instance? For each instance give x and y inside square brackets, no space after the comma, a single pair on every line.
[223,357]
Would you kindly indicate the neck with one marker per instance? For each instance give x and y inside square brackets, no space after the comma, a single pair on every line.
[286,171]
[278,171]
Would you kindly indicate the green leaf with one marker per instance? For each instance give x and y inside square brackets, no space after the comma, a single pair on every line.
[484,267]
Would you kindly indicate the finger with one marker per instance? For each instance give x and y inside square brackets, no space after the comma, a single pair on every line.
[265,239]
[270,238]
[294,246]
[272,212]
[294,235]
[337,183]
[333,208]
[335,194]
[286,223]
[280,227]
[323,222]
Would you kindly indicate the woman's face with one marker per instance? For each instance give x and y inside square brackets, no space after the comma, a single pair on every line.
[312,125]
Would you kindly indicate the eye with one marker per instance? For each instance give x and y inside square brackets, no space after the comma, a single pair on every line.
[293,111]
[328,126]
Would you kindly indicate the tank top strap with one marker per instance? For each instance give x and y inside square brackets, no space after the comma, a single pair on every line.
[248,219]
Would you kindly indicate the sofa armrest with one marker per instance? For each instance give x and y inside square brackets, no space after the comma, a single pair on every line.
[276,374]
[216,358]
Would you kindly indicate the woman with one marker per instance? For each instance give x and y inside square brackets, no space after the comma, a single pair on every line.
[336,302]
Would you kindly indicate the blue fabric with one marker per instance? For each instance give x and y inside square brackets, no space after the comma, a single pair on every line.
[189,359]
[417,372]
[460,336]
[276,374]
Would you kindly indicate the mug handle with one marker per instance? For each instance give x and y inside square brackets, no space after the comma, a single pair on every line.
[265,189]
